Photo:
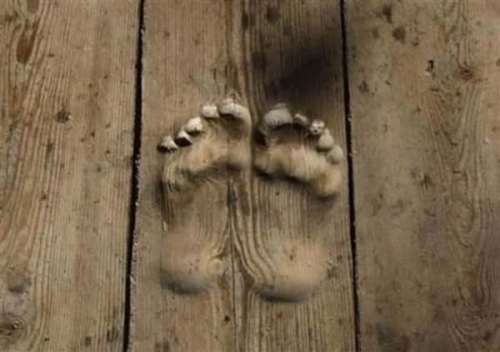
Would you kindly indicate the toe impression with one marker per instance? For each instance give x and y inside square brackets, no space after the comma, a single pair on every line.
[210,111]
[283,156]
[230,107]
[278,116]
[167,144]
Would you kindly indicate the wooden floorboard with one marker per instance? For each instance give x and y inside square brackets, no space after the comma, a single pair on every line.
[426,150]
[195,52]
[292,53]
[184,65]
[67,83]
[423,79]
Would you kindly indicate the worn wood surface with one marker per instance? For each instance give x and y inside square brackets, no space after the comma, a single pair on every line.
[236,47]
[66,128]
[425,99]
[423,78]
[185,64]
[293,54]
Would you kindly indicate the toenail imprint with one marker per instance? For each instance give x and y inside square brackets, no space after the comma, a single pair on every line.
[199,157]
[295,147]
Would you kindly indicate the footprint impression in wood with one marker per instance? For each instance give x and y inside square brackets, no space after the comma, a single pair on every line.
[200,156]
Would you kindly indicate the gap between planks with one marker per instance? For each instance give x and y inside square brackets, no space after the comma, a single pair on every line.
[350,174]
[134,184]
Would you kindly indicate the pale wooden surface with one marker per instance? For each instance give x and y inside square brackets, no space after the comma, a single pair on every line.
[423,78]
[185,64]
[426,132]
[293,53]
[195,52]
[64,183]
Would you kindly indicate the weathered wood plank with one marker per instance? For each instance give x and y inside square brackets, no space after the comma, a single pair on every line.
[293,54]
[238,48]
[426,133]
[66,131]
[185,65]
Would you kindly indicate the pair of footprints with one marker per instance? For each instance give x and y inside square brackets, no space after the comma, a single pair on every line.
[200,156]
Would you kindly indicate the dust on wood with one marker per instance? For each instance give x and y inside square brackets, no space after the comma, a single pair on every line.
[237,46]
[65,153]
[426,140]
[185,64]
[293,53]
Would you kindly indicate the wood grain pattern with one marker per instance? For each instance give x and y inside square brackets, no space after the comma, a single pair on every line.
[292,53]
[185,65]
[66,127]
[194,52]
[424,86]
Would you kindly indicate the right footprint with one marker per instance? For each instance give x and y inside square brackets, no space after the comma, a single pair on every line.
[292,147]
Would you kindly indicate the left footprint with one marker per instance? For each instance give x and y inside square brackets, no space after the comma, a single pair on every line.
[200,157]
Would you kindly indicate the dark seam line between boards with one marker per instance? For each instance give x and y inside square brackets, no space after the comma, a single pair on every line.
[350,163]
[134,191]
